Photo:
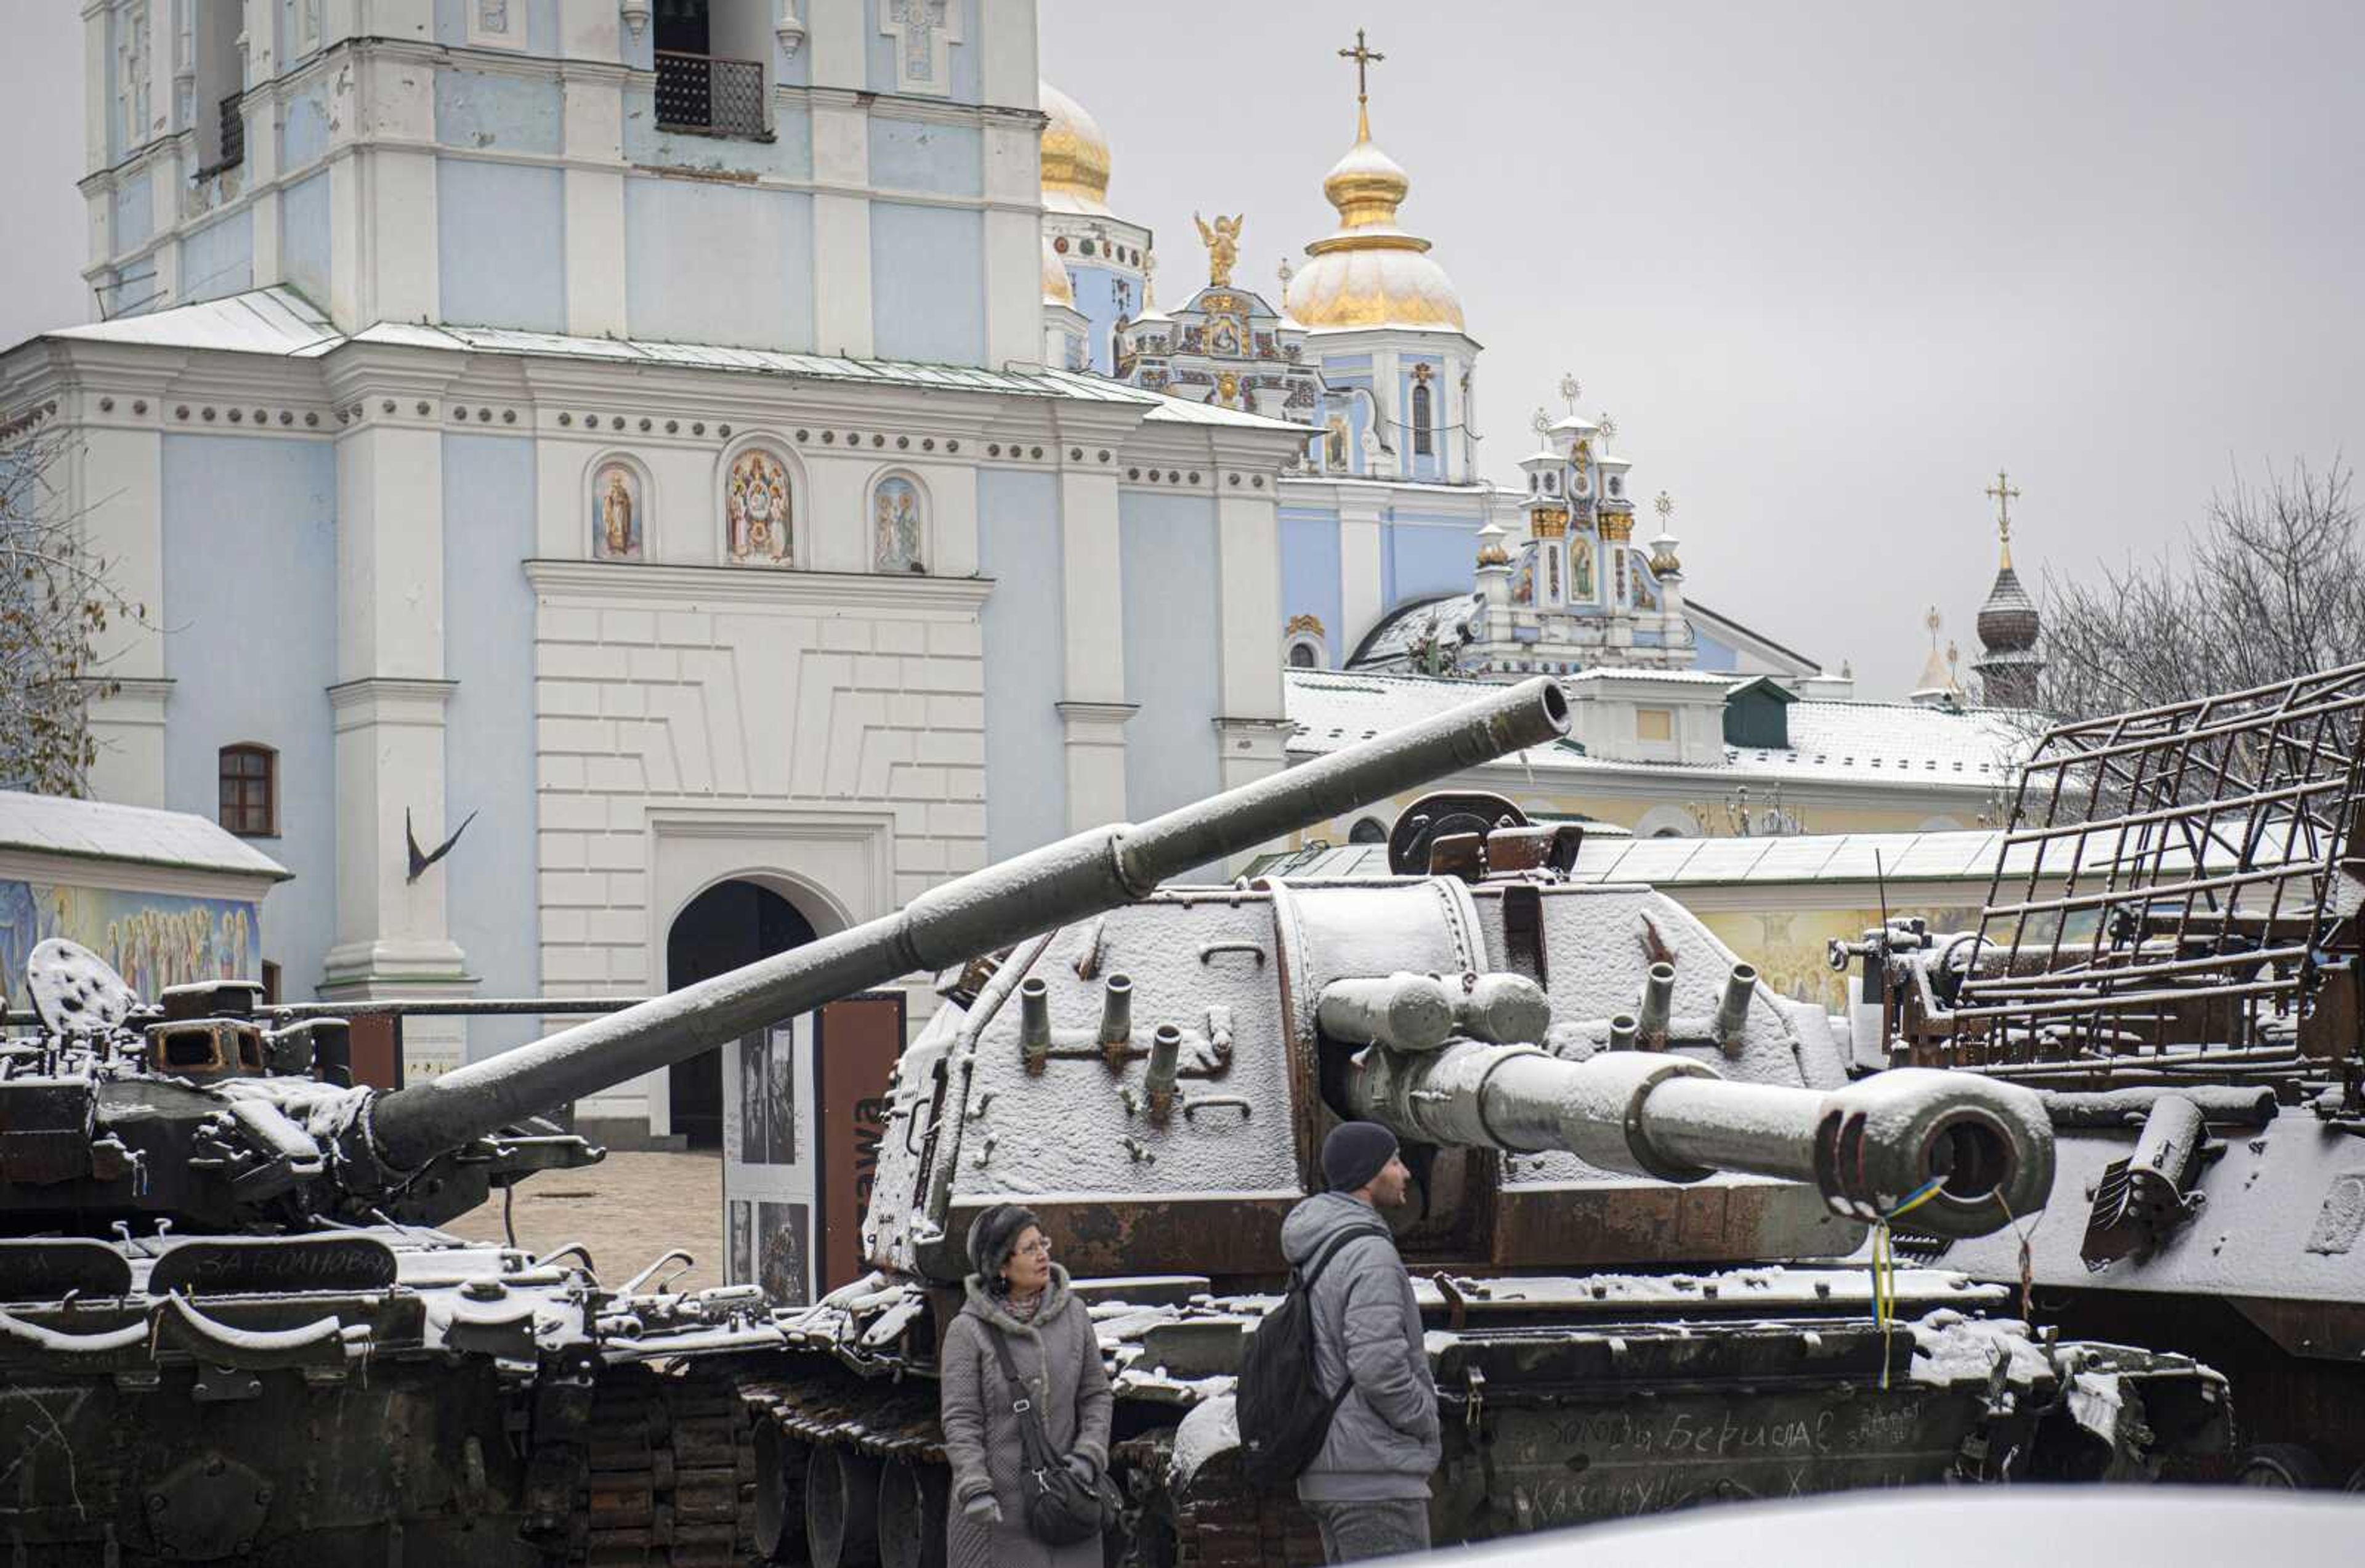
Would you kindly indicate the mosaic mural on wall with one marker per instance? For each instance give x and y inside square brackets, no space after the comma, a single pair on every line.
[895,525]
[617,513]
[756,509]
[153,940]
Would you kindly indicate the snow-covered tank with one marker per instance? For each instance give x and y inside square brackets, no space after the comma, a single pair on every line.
[2170,957]
[228,1332]
[1645,1186]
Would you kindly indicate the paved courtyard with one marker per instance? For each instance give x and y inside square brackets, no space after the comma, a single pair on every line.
[628,1209]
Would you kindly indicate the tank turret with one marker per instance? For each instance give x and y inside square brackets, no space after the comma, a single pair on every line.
[1581,1075]
[198,1114]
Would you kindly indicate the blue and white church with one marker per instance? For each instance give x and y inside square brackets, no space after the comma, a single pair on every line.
[618,432]
[1398,552]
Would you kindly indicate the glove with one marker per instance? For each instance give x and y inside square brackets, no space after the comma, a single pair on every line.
[983,1509]
[1084,1469]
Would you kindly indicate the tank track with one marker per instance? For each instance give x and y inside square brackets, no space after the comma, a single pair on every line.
[667,1474]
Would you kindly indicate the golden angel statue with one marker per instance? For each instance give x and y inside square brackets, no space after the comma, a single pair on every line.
[1223,242]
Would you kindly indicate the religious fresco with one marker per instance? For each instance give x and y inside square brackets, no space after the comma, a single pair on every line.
[618,518]
[1580,570]
[756,509]
[896,515]
[153,940]
[1523,581]
[1334,444]
[1646,594]
[1552,575]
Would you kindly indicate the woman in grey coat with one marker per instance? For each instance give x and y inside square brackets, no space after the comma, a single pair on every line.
[1020,1295]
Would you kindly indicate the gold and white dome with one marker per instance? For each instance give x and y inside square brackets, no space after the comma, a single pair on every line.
[1370,273]
[1056,287]
[1075,156]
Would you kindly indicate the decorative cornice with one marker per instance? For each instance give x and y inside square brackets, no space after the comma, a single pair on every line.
[783,589]
[1097,712]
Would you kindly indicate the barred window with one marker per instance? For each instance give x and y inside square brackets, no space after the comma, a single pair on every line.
[250,790]
[1423,421]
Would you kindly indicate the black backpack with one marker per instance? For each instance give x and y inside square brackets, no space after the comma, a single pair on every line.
[1284,1416]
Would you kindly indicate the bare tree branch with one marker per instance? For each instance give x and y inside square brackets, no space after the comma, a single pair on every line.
[56,603]
[2271,586]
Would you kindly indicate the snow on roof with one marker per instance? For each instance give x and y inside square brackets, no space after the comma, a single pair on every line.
[278,320]
[1610,855]
[95,830]
[268,321]
[1725,679]
[1855,742]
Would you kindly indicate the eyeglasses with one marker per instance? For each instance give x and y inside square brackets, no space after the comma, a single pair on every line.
[1041,1244]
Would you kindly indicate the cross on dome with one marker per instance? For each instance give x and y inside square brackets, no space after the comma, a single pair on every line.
[2003,495]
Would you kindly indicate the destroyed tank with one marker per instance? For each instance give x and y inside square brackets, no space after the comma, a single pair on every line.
[1640,1178]
[228,1332]
[2168,956]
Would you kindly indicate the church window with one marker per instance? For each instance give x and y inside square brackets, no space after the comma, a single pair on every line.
[711,59]
[899,518]
[1551,484]
[1305,650]
[1423,422]
[1367,830]
[1617,487]
[220,72]
[758,510]
[1301,656]
[620,506]
[250,790]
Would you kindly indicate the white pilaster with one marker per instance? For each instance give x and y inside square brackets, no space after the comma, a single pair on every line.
[841,227]
[1094,707]
[839,40]
[596,291]
[1247,543]
[389,699]
[1360,572]
[1007,70]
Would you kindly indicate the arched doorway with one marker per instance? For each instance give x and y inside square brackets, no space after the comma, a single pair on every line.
[729,924]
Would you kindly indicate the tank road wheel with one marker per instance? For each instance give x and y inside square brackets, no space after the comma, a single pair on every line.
[2286,1467]
[841,1508]
[780,1463]
[912,1502]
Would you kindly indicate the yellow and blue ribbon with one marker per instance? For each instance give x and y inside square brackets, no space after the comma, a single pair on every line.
[1884,1267]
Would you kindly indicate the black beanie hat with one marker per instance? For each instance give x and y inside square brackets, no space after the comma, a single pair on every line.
[1354,1153]
[992,1235]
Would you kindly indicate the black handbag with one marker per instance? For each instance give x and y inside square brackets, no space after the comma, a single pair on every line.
[1061,1509]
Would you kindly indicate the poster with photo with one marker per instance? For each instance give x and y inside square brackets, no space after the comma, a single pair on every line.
[804,1107]
[784,1252]
[767,1098]
[739,1260]
[768,1171]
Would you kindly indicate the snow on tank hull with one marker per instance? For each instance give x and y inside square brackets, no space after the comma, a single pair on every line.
[1153,1083]
[2170,954]
[389,1396]
[1566,1400]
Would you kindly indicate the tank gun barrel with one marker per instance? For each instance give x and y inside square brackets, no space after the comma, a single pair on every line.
[1867,1148]
[986,909]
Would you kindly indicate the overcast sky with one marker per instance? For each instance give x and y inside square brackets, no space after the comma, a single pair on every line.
[1830,264]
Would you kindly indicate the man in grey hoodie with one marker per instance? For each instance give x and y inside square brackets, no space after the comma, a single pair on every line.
[1368,1489]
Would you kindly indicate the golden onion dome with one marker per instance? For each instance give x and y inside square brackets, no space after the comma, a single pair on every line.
[1075,156]
[1056,288]
[1371,272]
